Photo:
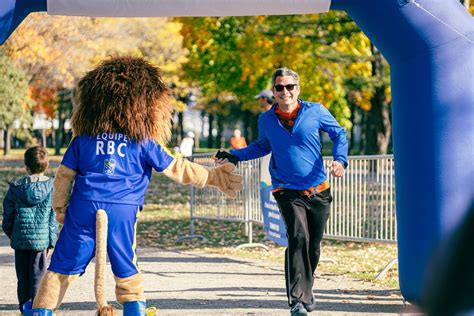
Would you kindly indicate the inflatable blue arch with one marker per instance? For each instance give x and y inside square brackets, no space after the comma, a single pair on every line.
[430,47]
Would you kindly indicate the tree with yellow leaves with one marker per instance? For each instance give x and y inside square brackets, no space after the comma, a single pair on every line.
[237,55]
[55,51]
[15,104]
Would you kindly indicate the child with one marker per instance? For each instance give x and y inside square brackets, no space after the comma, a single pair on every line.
[28,220]
[121,122]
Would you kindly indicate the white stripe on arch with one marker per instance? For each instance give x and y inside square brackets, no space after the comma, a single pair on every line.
[149,8]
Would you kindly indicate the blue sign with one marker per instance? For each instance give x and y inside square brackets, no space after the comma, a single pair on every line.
[273,222]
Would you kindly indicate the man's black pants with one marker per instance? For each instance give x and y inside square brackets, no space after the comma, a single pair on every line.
[30,266]
[305,219]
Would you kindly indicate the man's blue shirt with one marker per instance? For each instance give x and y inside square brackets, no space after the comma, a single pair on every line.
[297,161]
[112,168]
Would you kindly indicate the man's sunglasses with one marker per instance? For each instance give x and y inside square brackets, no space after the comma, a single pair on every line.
[289,87]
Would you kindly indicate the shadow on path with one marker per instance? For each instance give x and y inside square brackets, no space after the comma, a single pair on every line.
[210,284]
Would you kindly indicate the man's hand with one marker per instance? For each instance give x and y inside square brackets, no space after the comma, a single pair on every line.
[223,157]
[337,169]
[224,180]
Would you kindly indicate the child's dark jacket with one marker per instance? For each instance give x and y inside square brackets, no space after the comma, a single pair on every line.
[28,218]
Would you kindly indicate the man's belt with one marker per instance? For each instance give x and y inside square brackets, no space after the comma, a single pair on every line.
[311,192]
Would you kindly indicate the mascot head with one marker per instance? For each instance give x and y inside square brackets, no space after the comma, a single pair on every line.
[123,95]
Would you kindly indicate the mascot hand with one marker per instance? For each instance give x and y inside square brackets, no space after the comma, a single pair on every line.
[60,214]
[224,180]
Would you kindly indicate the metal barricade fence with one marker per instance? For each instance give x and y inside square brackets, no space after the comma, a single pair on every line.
[363,207]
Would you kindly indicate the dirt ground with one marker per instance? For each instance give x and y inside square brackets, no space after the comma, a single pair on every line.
[197,283]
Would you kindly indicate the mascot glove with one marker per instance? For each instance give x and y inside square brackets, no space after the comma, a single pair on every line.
[224,180]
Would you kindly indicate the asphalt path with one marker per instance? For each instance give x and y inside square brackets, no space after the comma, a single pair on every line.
[197,283]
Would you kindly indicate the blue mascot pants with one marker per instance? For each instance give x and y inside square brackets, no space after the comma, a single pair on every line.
[76,243]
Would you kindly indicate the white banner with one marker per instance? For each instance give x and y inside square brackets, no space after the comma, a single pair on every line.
[150,8]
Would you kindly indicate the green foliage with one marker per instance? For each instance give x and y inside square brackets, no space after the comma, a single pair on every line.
[237,56]
[14,101]
[234,57]
[340,109]
[227,60]
[25,136]
[56,51]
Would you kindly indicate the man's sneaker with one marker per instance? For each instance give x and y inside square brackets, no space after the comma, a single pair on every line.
[298,310]
[310,307]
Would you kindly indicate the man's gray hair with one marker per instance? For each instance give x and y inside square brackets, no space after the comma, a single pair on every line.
[285,72]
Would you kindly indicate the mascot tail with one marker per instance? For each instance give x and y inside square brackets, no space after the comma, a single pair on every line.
[100,262]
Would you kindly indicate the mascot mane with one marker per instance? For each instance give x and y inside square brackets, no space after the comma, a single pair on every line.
[106,107]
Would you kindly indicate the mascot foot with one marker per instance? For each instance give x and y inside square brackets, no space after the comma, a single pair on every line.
[134,308]
[106,311]
[29,311]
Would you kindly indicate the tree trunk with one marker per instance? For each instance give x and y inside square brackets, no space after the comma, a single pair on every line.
[7,140]
[65,138]
[352,108]
[2,138]
[220,132]
[210,138]
[378,119]
[58,133]
[64,109]
[250,122]
[180,125]
[43,137]
[52,137]
[58,138]
[253,127]
[363,132]
[246,119]
[379,127]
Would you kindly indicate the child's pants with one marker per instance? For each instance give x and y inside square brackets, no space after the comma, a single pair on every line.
[30,266]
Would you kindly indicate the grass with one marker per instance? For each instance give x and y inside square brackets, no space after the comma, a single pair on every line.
[161,226]
[17,154]
[165,218]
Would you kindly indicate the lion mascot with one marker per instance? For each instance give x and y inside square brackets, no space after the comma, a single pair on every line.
[121,121]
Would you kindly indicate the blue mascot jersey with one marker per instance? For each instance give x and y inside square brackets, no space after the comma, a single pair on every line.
[112,168]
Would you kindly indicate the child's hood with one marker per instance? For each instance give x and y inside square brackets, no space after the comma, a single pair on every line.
[32,189]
